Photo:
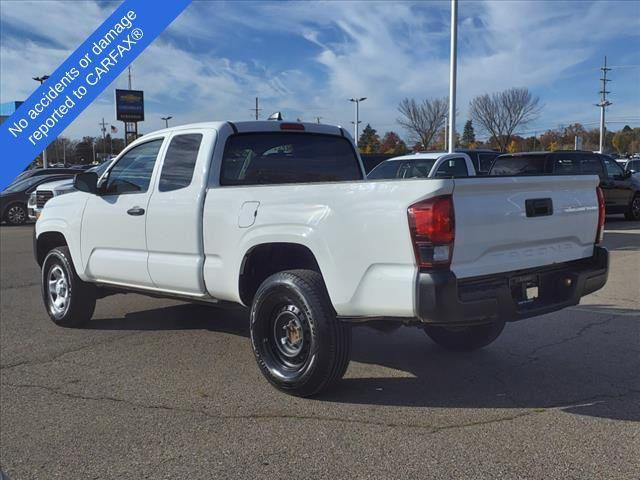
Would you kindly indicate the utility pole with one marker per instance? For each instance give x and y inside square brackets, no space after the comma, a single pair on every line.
[452,76]
[357,120]
[129,69]
[256,110]
[103,124]
[318,119]
[45,164]
[604,103]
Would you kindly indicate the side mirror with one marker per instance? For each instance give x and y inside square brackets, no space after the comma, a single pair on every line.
[86,182]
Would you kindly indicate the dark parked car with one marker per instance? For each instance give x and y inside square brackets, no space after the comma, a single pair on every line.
[621,189]
[36,172]
[13,199]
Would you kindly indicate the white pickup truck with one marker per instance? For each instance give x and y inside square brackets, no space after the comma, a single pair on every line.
[425,165]
[279,217]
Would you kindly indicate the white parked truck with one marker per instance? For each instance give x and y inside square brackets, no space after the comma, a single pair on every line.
[279,217]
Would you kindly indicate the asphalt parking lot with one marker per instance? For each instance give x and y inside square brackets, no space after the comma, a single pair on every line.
[161,389]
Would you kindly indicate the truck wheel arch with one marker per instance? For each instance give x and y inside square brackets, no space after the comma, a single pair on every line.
[263,260]
[47,241]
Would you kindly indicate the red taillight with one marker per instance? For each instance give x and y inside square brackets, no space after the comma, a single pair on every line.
[601,213]
[431,223]
[291,126]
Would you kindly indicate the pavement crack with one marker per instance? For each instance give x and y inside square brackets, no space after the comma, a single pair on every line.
[275,416]
[532,356]
[57,356]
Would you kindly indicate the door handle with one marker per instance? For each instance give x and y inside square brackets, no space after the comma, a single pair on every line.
[136,211]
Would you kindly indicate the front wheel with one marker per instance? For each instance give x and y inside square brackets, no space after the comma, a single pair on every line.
[16,214]
[464,339]
[634,209]
[299,344]
[69,301]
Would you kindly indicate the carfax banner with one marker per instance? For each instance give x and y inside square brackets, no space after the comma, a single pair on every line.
[80,79]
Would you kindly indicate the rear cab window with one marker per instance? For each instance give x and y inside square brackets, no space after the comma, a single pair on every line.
[271,158]
[519,165]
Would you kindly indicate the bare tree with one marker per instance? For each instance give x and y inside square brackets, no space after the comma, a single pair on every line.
[499,114]
[423,120]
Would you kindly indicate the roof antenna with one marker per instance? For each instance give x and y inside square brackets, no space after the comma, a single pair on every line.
[275,116]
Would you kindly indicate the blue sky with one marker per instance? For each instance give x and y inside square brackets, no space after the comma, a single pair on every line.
[307,58]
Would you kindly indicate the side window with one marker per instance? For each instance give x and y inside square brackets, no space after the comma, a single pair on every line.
[486,160]
[132,173]
[180,162]
[566,164]
[590,164]
[613,169]
[534,164]
[453,167]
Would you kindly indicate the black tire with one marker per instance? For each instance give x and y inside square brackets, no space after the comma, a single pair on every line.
[464,339]
[634,209]
[299,344]
[70,302]
[16,214]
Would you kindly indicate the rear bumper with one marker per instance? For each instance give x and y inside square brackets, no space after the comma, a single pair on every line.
[443,299]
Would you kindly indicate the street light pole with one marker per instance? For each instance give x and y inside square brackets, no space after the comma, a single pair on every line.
[166,121]
[357,121]
[452,76]
[45,164]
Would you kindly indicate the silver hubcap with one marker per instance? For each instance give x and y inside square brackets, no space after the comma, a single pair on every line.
[58,291]
[16,214]
[288,333]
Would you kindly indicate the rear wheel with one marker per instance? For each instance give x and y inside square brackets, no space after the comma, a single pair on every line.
[16,214]
[634,209]
[69,301]
[299,344]
[464,339]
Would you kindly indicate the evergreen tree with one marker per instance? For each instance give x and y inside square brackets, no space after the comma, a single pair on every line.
[468,135]
[369,140]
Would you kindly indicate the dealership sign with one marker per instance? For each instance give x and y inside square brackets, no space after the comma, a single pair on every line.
[130,105]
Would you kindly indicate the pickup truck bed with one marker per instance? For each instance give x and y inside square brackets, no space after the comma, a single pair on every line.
[279,217]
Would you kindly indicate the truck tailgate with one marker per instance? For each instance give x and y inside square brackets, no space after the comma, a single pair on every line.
[504,224]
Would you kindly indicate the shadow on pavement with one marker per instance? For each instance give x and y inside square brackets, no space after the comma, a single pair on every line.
[622,235]
[588,369]
[228,319]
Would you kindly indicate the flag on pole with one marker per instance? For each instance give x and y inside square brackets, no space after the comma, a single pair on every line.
[114,129]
